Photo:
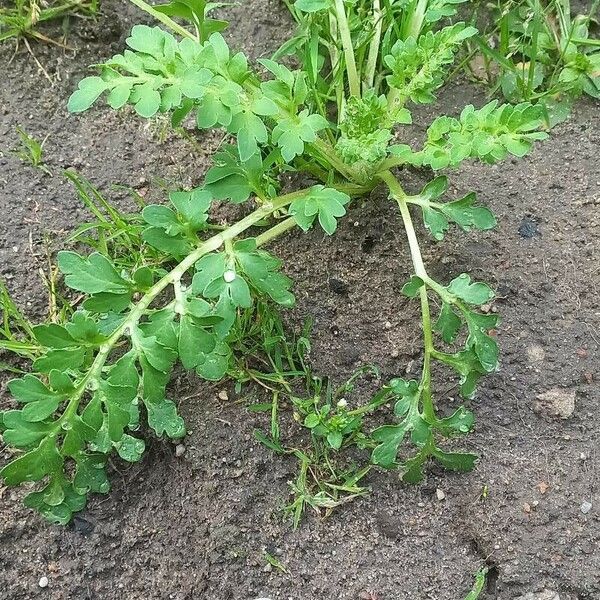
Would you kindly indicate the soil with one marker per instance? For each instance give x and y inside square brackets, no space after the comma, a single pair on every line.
[198,526]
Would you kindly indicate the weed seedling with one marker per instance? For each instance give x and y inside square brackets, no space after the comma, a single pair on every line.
[201,286]
[16,333]
[31,151]
[479,584]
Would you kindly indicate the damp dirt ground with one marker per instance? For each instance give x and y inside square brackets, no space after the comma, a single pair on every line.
[198,526]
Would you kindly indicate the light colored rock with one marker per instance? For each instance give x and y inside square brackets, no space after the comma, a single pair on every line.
[535,353]
[179,450]
[223,395]
[557,402]
[543,595]
[585,507]
[43,582]
[440,494]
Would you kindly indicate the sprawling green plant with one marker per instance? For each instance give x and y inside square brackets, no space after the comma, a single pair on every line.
[543,53]
[189,295]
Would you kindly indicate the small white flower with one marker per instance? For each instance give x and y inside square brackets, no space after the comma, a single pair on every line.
[342,403]
[229,276]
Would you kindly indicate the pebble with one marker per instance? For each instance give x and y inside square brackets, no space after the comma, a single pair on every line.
[585,507]
[535,353]
[440,494]
[223,395]
[557,402]
[43,582]
[179,450]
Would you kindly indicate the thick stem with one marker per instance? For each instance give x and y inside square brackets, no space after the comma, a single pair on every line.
[395,100]
[334,57]
[344,30]
[371,67]
[400,196]
[414,25]
[332,157]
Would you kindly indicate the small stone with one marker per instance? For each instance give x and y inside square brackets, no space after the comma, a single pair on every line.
[223,395]
[440,494]
[394,353]
[387,325]
[535,353]
[179,450]
[585,507]
[43,582]
[543,487]
[557,402]
[527,507]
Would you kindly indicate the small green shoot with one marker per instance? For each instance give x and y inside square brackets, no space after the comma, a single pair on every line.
[16,333]
[479,584]
[275,562]
[31,151]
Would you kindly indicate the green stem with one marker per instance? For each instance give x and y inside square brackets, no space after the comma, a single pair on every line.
[415,251]
[373,47]
[415,23]
[164,19]
[346,38]
[275,231]
[332,157]
[426,394]
[334,58]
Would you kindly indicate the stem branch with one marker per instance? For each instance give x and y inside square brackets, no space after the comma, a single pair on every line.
[400,196]
[90,380]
